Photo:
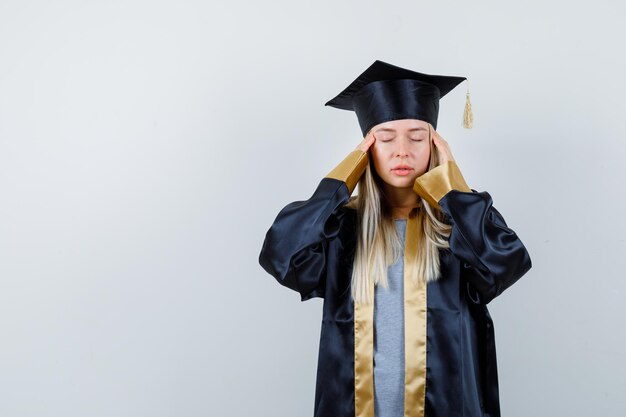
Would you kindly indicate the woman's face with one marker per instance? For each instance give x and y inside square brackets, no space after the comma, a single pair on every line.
[401,144]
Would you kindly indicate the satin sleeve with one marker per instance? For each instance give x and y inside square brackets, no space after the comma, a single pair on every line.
[295,247]
[493,256]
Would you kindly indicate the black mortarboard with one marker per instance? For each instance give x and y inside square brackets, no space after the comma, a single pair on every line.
[386,92]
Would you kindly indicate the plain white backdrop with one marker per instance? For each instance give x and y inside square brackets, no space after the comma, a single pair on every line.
[147,146]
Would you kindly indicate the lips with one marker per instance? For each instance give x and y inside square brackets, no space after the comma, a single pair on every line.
[401,167]
[402,170]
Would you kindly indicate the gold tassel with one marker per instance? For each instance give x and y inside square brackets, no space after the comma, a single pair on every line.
[468,116]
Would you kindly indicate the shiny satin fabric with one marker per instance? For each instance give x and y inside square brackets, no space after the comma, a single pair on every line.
[386,92]
[309,248]
[481,239]
[437,182]
[296,247]
[350,169]
[415,309]
[364,358]
[385,100]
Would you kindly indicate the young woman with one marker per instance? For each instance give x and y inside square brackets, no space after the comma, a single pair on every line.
[406,268]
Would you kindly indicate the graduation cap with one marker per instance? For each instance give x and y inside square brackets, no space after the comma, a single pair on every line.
[385,92]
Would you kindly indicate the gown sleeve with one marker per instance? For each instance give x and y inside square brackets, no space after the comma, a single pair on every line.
[295,247]
[493,256]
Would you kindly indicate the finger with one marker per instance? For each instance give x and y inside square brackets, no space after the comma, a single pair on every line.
[437,137]
[367,141]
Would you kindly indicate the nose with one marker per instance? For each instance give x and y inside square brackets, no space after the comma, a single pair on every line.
[401,151]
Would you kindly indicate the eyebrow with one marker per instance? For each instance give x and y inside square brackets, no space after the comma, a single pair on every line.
[388,129]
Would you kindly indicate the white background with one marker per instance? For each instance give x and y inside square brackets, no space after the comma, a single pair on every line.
[146,147]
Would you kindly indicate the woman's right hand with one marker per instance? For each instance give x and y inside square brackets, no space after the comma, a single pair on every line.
[368,140]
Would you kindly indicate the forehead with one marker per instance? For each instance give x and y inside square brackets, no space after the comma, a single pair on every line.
[401,124]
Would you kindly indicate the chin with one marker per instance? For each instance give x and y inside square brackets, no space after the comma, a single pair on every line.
[401,182]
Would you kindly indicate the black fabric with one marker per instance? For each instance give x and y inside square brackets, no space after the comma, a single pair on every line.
[385,92]
[382,101]
[482,240]
[309,248]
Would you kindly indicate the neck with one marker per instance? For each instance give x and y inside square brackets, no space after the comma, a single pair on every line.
[401,201]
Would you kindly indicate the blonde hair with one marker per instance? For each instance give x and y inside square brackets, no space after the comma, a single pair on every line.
[378,245]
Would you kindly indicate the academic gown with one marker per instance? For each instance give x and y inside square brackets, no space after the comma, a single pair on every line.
[450,355]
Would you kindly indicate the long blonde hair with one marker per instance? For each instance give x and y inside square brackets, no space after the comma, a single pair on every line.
[378,245]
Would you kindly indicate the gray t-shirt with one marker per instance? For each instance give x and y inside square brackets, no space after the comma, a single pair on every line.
[389,339]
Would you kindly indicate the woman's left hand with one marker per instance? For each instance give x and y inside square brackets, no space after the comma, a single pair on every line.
[445,154]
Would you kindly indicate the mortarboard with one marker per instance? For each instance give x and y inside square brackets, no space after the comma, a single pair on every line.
[386,92]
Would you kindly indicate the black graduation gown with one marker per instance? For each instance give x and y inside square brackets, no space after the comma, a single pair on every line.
[309,248]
